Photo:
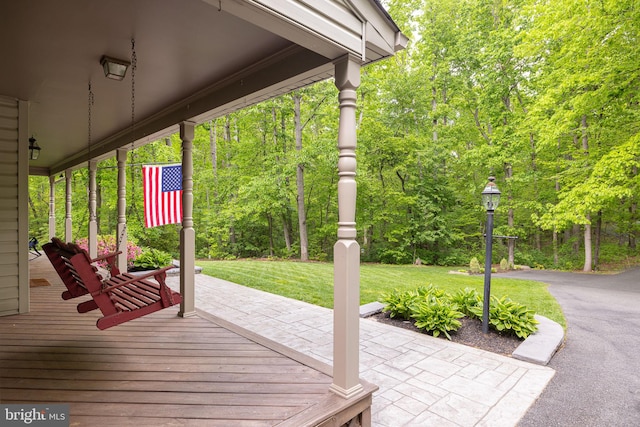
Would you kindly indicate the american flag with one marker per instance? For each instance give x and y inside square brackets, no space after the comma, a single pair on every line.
[162,186]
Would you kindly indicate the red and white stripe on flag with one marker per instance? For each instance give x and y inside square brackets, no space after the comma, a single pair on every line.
[162,186]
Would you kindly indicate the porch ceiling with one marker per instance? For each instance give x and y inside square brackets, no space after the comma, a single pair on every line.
[194,61]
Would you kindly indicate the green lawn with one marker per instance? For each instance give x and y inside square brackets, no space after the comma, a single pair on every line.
[313,282]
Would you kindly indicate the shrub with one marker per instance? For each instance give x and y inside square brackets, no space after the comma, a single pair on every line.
[531,258]
[398,303]
[394,256]
[508,315]
[107,244]
[151,259]
[465,300]
[474,266]
[504,265]
[436,315]
[427,292]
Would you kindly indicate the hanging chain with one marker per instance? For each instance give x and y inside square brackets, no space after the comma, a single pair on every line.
[89,108]
[92,210]
[134,65]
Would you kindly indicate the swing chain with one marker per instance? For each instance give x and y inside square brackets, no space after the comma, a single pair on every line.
[90,105]
[134,65]
[90,100]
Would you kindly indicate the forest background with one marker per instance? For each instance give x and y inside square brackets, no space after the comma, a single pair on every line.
[543,95]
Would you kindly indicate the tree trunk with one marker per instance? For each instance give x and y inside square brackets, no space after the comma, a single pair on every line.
[596,249]
[511,243]
[286,230]
[632,236]
[227,139]
[302,215]
[534,169]
[588,258]
[632,220]
[34,211]
[555,228]
[270,222]
[213,150]
[555,247]
[576,241]
[434,106]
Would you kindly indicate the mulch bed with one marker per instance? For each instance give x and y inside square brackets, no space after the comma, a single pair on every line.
[470,333]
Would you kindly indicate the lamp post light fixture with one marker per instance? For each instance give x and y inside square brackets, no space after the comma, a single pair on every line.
[490,201]
[34,149]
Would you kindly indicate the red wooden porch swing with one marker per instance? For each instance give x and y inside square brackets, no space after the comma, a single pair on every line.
[119,296]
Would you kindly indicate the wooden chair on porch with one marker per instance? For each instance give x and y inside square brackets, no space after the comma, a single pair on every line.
[33,248]
[120,297]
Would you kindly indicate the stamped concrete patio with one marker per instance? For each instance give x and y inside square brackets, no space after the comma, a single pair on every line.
[424,381]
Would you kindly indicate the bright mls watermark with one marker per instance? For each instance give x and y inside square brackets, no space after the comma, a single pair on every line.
[40,415]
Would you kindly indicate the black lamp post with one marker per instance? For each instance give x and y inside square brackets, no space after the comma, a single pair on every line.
[490,200]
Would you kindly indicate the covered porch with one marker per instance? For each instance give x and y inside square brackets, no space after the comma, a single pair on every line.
[188,62]
[159,370]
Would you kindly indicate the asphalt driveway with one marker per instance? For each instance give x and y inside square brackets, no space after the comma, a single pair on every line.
[597,381]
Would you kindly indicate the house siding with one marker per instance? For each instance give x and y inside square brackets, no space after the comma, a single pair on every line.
[12,296]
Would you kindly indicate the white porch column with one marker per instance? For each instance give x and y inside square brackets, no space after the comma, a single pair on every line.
[346,251]
[68,230]
[121,228]
[187,234]
[52,207]
[92,240]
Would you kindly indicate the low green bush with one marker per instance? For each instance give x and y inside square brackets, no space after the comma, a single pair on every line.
[438,312]
[505,314]
[437,316]
[474,266]
[399,303]
[151,259]
[466,299]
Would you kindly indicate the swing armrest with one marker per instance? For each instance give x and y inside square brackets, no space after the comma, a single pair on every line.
[158,274]
[106,256]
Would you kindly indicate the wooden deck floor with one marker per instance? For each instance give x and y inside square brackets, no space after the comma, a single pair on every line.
[160,370]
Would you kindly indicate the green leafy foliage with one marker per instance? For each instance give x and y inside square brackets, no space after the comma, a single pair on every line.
[436,315]
[474,266]
[508,315]
[435,310]
[398,303]
[466,300]
[151,258]
[430,308]
[492,88]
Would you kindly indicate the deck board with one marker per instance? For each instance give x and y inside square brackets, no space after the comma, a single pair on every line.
[157,370]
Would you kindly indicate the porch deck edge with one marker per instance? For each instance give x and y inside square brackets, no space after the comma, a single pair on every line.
[331,411]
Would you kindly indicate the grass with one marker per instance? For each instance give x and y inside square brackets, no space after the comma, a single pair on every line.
[312,282]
